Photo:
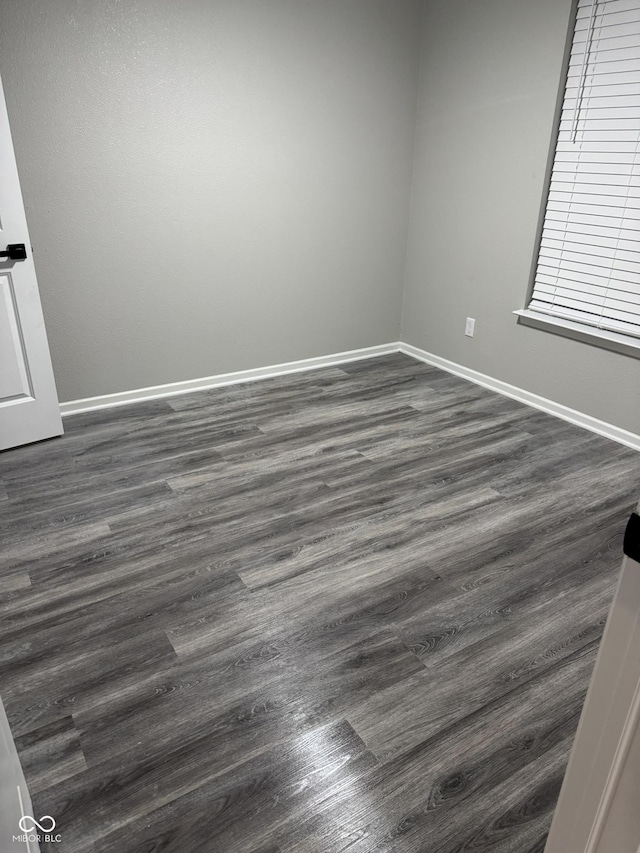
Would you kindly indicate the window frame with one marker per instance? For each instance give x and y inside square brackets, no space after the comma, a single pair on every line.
[602,338]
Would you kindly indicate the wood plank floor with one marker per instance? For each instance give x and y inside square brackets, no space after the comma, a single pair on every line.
[354,609]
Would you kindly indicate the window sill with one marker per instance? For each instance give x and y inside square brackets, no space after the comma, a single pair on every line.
[568,329]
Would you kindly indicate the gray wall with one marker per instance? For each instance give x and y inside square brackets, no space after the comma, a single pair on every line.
[214,185]
[211,185]
[489,82]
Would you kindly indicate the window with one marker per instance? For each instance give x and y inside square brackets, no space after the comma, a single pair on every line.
[588,270]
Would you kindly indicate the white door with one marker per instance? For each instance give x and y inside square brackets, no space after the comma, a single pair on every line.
[599,806]
[15,802]
[29,408]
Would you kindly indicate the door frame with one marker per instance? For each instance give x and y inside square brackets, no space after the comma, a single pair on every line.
[609,721]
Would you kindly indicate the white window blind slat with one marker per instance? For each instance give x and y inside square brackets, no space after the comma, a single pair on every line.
[622,303]
[617,82]
[613,6]
[602,277]
[588,241]
[588,190]
[574,278]
[603,90]
[608,224]
[599,103]
[598,219]
[596,276]
[632,215]
[578,206]
[604,19]
[618,150]
[598,121]
[585,173]
[606,16]
[608,259]
[552,285]
[609,50]
[601,137]
[599,113]
[589,251]
[601,70]
[592,159]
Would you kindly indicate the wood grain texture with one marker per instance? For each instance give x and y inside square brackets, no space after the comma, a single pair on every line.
[354,609]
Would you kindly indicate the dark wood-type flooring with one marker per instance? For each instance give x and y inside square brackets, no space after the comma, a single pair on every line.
[354,609]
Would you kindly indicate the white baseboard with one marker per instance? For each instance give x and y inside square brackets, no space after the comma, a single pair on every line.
[622,436]
[107,401]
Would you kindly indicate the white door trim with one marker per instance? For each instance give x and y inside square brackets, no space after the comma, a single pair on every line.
[613,779]
[607,727]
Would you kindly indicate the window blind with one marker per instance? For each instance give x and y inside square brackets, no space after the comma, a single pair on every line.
[588,267]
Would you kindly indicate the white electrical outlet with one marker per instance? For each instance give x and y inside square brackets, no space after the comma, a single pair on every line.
[470,327]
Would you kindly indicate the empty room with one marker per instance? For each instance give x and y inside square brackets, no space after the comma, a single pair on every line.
[319,426]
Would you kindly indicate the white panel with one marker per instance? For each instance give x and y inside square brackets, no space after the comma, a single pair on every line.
[14,375]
